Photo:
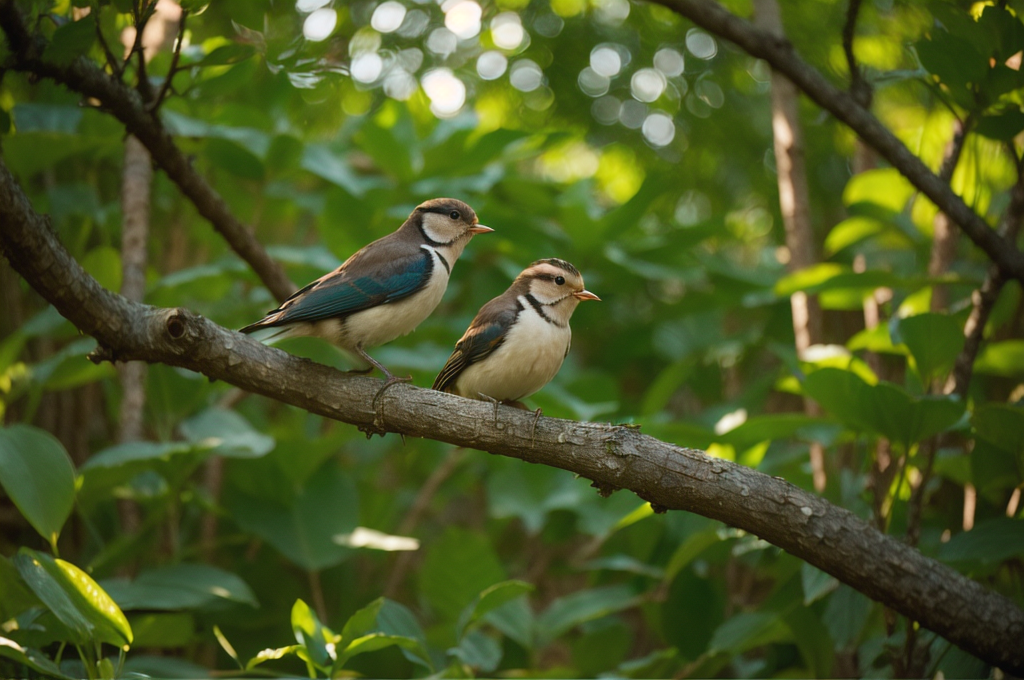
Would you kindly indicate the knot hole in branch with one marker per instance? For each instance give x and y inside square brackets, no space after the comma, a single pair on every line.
[175,326]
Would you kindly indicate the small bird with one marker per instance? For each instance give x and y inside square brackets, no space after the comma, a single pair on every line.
[517,341]
[382,291]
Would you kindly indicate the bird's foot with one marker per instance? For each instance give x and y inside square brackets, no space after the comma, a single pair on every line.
[533,430]
[493,401]
[391,381]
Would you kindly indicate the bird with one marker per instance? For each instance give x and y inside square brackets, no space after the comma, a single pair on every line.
[384,290]
[517,341]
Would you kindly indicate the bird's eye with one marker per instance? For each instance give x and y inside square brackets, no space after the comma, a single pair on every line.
[455,215]
[560,280]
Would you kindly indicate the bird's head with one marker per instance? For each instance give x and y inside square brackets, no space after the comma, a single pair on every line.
[447,222]
[556,283]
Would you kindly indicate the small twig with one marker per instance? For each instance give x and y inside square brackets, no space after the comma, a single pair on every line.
[166,86]
[860,88]
[112,61]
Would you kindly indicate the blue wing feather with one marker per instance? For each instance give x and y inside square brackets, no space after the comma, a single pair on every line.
[478,343]
[338,294]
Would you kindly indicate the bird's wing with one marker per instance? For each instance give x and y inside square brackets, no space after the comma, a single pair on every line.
[486,334]
[368,279]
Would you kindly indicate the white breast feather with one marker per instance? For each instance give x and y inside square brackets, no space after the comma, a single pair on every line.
[529,358]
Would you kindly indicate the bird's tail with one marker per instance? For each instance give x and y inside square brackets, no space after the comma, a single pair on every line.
[268,335]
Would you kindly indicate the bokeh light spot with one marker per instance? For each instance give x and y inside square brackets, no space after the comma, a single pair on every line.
[319,25]
[507,30]
[700,44]
[415,23]
[399,84]
[463,18]
[647,84]
[669,62]
[388,16]
[605,110]
[306,6]
[606,61]
[525,75]
[593,83]
[491,65]
[442,42]
[367,67]
[446,92]
[632,114]
[659,129]
[710,92]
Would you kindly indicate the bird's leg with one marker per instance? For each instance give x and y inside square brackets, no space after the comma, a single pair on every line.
[533,430]
[493,401]
[391,379]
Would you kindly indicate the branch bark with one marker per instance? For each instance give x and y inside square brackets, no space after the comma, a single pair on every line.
[125,104]
[831,538]
[781,56]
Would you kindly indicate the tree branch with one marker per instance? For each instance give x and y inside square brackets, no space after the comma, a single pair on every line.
[859,87]
[84,77]
[175,56]
[781,56]
[831,538]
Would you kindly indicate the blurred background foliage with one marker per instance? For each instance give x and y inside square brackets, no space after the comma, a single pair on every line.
[613,134]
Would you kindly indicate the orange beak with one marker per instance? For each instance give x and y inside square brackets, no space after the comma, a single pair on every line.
[585,295]
[479,229]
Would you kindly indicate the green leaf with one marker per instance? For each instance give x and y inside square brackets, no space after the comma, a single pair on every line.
[478,651]
[228,433]
[1004,359]
[325,505]
[812,639]
[227,54]
[376,641]
[32,658]
[77,601]
[1001,425]
[15,598]
[816,583]
[272,655]
[850,231]
[748,630]
[934,340]
[955,63]
[490,599]
[37,474]
[396,619]
[163,630]
[884,187]
[362,622]
[458,566]
[134,452]
[989,543]
[567,612]
[312,635]
[235,158]
[180,586]
[1001,126]
[71,40]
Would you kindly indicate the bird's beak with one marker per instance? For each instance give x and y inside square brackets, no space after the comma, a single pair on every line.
[479,229]
[585,295]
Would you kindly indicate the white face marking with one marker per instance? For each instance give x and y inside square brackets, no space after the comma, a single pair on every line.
[441,228]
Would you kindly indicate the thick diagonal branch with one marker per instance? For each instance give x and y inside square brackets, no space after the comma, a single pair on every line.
[781,56]
[84,77]
[833,539]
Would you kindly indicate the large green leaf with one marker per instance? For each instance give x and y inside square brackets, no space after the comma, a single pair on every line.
[884,409]
[934,341]
[1002,425]
[77,601]
[326,505]
[748,630]
[72,39]
[490,599]
[458,566]
[1004,358]
[567,612]
[988,543]
[37,474]
[228,433]
[180,586]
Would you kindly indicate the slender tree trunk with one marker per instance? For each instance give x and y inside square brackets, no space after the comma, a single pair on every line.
[794,203]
